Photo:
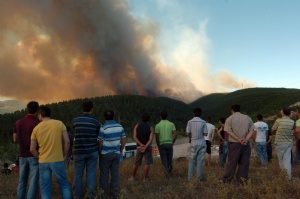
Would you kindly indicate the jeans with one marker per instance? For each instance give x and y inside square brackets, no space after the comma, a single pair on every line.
[297,156]
[109,163]
[88,162]
[283,151]
[46,170]
[29,171]
[166,156]
[269,151]
[261,149]
[197,157]
[224,153]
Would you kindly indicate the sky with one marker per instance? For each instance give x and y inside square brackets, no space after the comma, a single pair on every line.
[60,50]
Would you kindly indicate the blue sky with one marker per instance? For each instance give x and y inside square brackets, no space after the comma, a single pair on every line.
[257,42]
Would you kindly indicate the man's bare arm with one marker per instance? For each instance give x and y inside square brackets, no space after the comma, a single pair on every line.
[33,146]
[66,143]
[15,137]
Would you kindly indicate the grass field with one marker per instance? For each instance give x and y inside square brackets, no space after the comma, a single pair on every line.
[266,183]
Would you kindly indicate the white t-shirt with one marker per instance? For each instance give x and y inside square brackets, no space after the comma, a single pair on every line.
[261,128]
[210,130]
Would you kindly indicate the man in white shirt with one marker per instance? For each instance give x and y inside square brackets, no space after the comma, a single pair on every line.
[260,135]
[208,139]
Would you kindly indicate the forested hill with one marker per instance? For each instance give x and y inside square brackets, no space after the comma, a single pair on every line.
[253,101]
[127,108]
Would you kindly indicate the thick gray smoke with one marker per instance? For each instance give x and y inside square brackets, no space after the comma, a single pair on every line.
[64,49]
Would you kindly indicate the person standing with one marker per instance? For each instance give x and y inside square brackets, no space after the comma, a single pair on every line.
[196,129]
[208,139]
[260,138]
[297,139]
[48,136]
[224,143]
[143,135]
[86,129]
[69,156]
[29,165]
[240,129]
[111,141]
[284,127]
[166,135]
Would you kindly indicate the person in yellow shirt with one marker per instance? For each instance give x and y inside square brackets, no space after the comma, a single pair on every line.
[47,137]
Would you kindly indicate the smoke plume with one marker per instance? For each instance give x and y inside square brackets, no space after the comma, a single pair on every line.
[64,49]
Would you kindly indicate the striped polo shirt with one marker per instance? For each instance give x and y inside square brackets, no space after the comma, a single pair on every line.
[197,127]
[284,130]
[86,130]
[111,134]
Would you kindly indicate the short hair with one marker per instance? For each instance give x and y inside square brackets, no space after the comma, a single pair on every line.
[145,117]
[236,107]
[259,117]
[32,107]
[197,112]
[45,111]
[163,115]
[222,120]
[286,111]
[87,106]
[208,119]
[109,115]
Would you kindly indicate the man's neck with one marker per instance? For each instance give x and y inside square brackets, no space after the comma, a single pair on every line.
[45,119]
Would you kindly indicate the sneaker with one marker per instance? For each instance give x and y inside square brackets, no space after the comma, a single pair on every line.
[146,180]
[131,179]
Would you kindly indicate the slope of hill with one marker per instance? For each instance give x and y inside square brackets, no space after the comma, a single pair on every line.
[266,101]
[9,106]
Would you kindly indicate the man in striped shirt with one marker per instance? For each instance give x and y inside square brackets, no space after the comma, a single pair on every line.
[284,140]
[111,141]
[86,130]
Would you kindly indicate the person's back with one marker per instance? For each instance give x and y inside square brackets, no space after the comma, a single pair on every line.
[86,130]
[261,131]
[165,129]
[284,127]
[27,162]
[143,131]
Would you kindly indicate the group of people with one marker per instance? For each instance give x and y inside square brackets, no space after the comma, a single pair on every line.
[41,151]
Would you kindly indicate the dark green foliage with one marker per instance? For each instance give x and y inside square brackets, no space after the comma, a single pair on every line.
[253,101]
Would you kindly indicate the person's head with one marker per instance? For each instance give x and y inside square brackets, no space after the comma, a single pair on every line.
[145,117]
[236,108]
[32,107]
[163,115]
[197,112]
[259,117]
[208,119]
[109,115]
[87,106]
[285,111]
[44,111]
[222,120]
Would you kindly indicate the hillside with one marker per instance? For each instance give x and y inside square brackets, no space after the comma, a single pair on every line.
[266,101]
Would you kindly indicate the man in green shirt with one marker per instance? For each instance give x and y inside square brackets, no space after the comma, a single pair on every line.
[166,135]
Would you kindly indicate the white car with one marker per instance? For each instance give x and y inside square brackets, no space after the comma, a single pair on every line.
[129,150]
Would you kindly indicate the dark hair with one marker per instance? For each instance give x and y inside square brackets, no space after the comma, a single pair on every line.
[32,107]
[145,117]
[208,119]
[259,117]
[45,111]
[286,111]
[222,120]
[197,112]
[163,115]
[236,107]
[108,115]
[87,106]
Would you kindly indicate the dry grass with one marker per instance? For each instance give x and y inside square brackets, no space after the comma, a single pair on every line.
[263,183]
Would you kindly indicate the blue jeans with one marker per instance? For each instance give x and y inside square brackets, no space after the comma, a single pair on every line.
[283,151]
[29,170]
[88,162]
[166,156]
[46,170]
[109,163]
[197,157]
[225,152]
[261,149]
